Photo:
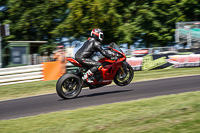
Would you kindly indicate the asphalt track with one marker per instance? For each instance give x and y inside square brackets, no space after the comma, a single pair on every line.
[52,102]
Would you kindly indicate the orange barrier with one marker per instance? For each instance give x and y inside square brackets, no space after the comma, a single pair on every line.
[52,70]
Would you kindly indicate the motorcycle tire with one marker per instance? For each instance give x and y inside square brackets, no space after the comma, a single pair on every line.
[69,86]
[125,80]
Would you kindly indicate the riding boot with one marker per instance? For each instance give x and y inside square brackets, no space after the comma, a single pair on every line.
[88,76]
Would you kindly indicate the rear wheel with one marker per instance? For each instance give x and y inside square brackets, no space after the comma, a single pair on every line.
[68,86]
[124,75]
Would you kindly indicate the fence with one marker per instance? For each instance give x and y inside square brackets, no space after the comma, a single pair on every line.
[21,74]
[31,73]
[28,73]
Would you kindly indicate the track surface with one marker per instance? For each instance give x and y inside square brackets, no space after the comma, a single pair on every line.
[110,94]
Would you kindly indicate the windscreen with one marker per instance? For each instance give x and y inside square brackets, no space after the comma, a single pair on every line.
[114,46]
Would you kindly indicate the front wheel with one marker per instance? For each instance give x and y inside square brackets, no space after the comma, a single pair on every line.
[68,86]
[124,75]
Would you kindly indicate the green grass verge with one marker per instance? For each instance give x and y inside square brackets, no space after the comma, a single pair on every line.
[45,87]
[178,113]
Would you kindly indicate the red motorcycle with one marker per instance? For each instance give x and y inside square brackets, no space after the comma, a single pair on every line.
[70,84]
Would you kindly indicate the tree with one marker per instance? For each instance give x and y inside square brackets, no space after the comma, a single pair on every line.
[84,15]
[123,21]
[33,20]
[153,21]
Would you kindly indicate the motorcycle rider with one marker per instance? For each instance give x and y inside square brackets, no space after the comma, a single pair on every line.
[83,55]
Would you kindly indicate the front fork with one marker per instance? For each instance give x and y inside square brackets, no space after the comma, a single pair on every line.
[124,69]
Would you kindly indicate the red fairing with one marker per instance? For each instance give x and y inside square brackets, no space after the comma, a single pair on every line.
[108,72]
[74,62]
[112,61]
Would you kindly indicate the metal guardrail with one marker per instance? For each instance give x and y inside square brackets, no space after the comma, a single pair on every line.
[21,74]
[24,74]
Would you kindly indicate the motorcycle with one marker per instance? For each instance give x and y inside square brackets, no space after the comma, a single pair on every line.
[70,84]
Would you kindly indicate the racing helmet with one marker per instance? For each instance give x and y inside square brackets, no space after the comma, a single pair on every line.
[97,34]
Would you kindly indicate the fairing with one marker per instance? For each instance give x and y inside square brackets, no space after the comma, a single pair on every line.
[74,62]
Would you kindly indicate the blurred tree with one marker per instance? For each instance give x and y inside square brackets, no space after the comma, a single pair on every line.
[47,49]
[168,12]
[84,15]
[190,10]
[123,21]
[134,17]
[33,20]
[148,21]
[153,21]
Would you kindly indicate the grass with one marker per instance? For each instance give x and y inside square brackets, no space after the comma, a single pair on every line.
[178,113]
[45,87]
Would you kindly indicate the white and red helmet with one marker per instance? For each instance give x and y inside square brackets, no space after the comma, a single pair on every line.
[97,34]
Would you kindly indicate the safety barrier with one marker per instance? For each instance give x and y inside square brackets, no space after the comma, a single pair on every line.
[21,74]
[149,62]
[32,73]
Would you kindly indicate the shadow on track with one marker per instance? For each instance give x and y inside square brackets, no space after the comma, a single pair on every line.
[104,93]
[98,94]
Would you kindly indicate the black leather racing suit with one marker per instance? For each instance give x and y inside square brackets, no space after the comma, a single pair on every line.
[83,55]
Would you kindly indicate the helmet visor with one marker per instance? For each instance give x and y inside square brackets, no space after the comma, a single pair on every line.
[101,36]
